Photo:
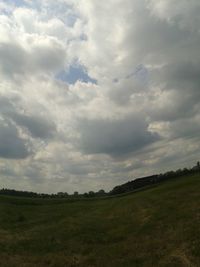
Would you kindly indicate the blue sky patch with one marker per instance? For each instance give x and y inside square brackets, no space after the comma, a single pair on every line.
[16,2]
[75,73]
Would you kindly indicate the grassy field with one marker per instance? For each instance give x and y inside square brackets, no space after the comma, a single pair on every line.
[159,226]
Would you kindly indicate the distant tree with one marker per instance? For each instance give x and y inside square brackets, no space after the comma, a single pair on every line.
[62,194]
[91,194]
[185,171]
[101,192]
[119,189]
[76,194]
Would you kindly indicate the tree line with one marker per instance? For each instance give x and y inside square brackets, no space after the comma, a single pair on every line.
[130,186]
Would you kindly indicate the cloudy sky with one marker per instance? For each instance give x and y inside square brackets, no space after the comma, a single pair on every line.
[94,93]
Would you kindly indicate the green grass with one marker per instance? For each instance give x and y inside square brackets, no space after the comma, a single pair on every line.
[159,226]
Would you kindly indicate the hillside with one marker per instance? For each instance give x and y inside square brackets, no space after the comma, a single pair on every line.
[158,226]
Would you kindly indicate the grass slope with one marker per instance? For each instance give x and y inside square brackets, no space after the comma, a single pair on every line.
[159,226]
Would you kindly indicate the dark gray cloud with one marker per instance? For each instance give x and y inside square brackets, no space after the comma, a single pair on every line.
[180,98]
[172,106]
[38,127]
[116,137]
[185,128]
[43,57]
[13,59]
[12,146]
[6,105]
[48,57]
[183,75]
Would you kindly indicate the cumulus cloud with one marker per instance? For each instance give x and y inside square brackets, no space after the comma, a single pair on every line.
[184,13]
[115,137]
[94,93]
[12,146]
[37,126]
[44,57]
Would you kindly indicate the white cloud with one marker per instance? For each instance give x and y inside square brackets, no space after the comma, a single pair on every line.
[183,13]
[144,55]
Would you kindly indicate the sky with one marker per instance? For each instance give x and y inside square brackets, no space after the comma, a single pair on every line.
[96,93]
